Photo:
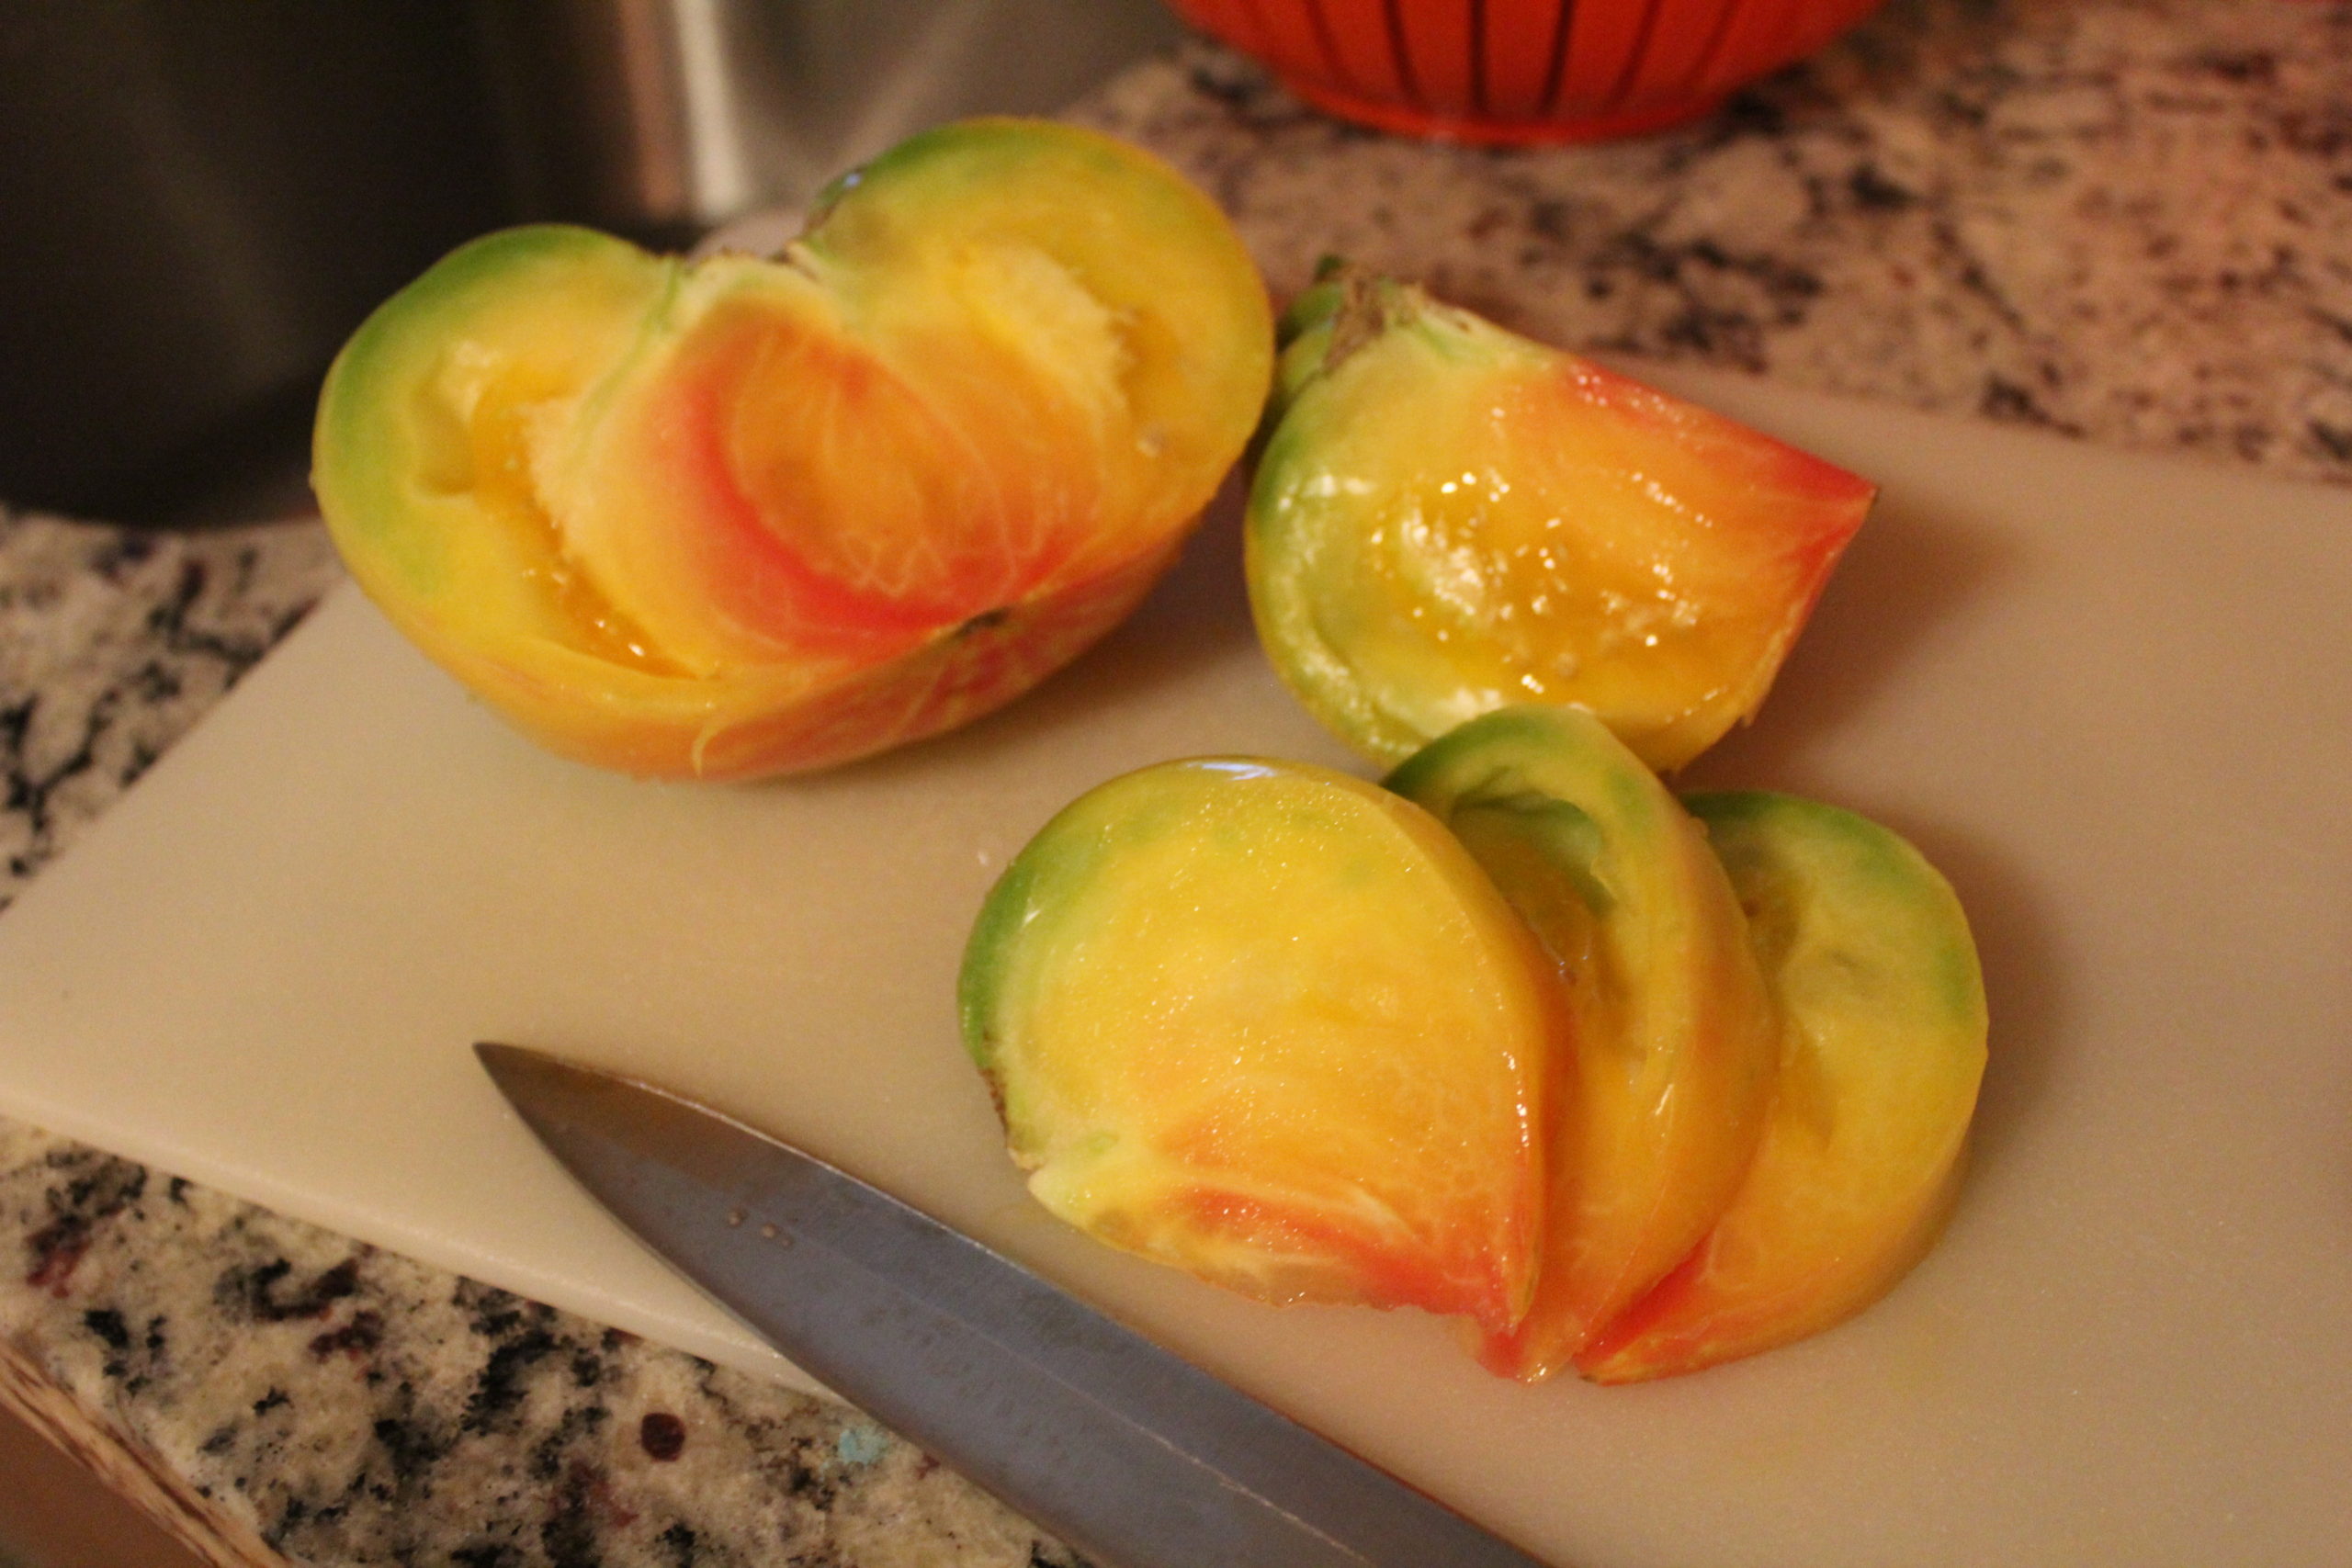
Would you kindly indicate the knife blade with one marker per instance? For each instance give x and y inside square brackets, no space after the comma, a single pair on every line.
[1126,1451]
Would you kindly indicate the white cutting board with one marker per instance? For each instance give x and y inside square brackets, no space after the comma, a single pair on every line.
[2110,696]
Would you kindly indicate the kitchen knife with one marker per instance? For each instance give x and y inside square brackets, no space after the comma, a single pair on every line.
[1130,1454]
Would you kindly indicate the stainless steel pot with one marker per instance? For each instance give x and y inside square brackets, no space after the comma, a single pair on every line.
[666,117]
[199,200]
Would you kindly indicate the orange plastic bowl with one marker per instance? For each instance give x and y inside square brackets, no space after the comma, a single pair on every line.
[1521,71]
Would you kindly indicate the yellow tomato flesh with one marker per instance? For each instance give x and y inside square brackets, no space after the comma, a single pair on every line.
[749,516]
[1872,967]
[1271,1025]
[1450,519]
[1673,1039]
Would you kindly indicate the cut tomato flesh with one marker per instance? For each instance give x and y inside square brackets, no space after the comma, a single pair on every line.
[1271,1026]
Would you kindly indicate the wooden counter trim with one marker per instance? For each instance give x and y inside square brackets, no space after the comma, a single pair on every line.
[114,1454]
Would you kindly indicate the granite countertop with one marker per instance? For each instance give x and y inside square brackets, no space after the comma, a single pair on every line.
[2127,221]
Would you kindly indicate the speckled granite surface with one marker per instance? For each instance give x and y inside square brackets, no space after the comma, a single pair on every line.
[2130,221]
[113,641]
[357,1407]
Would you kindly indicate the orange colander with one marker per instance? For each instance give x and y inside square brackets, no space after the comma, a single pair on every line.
[1521,71]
